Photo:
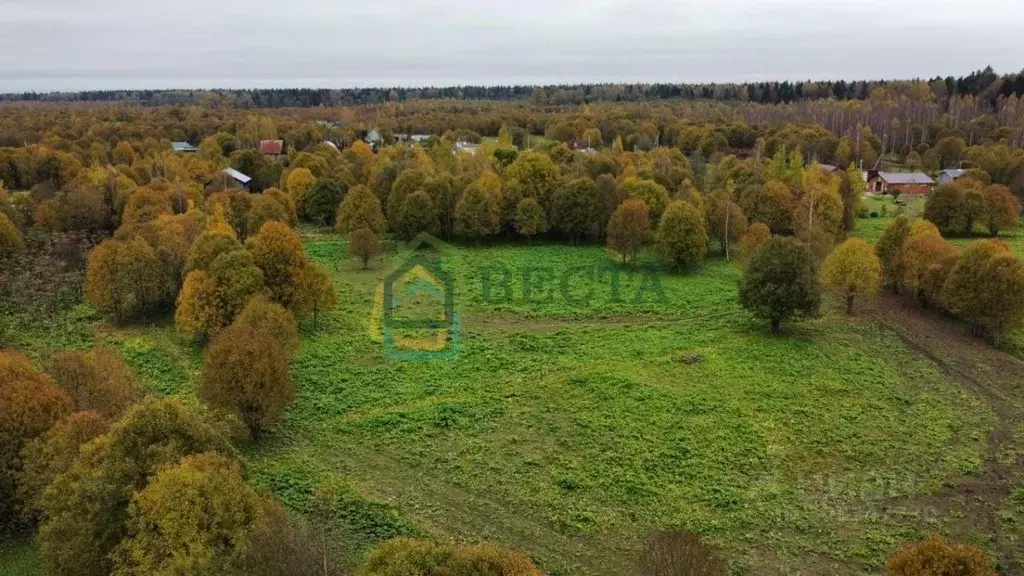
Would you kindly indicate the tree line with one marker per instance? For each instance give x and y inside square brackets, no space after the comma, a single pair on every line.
[985,83]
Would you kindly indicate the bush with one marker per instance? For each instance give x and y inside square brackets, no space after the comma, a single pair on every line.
[680,553]
[682,235]
[874,214]
[405,556]
[935,557]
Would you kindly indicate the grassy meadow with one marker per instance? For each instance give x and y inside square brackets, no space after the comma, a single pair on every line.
[571,429]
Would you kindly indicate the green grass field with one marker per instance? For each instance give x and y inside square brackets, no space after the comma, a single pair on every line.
[571,430]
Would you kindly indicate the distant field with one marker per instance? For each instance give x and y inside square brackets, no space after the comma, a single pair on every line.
[571,431]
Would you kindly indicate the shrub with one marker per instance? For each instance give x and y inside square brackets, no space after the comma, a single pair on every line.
[781,283]
[679,553]
[530,218]
[874,214]
[11,241]
[404,556]
[935,557]
[926,259]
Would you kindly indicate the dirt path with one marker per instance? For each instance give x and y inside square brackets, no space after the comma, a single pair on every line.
[996,377]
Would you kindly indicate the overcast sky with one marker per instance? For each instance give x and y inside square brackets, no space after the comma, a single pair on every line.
[110,44]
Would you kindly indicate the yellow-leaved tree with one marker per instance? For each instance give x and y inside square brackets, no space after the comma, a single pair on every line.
[853,270]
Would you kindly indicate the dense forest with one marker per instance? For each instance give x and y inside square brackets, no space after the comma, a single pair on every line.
[97,208]
[985,84]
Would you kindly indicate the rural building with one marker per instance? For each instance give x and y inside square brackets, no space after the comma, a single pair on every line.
[906,182]
[829,168]
[467,147]
[271,148]
[184,147]
[414,138]
[373,138]
[241,179]
[951,175]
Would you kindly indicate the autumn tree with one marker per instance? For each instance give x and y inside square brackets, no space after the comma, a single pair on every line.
[364,244]
[51,455]
[850,189]
[278,252]
[530,218]
[237,279]
[935,557]
[164,535]
[123,278]
[29,404]
[417,214]
[407,183]
[889,250]
[682,235]
[853,270]
[208,246]
[97,380]
[197,314]
[11,241]
[757,234]
[772,204]
[265,208]
[314,293]
[246,371]
[265,314]
[781,283]
[144,205]
[478,213]
[85,509]
[726,221]
[573,208]
[653,194]
[629,228]
[320,203]
[986,289]
[298,183]
[360,209]
[1002,209]
[946,208]
[927,259]
[537,174]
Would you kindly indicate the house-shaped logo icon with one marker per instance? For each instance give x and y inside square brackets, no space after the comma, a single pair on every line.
[416,306]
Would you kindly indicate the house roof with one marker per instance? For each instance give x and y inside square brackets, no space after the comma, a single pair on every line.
[237,175]
[373,136]
[953,173]
[271,146]
[905,178]
[183,147]
[828,167]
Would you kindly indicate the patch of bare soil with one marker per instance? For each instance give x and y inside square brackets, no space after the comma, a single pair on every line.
[973,504]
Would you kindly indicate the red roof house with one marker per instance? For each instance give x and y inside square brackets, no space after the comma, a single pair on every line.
[271,147]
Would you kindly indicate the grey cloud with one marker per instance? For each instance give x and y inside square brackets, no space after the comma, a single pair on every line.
[108,44]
